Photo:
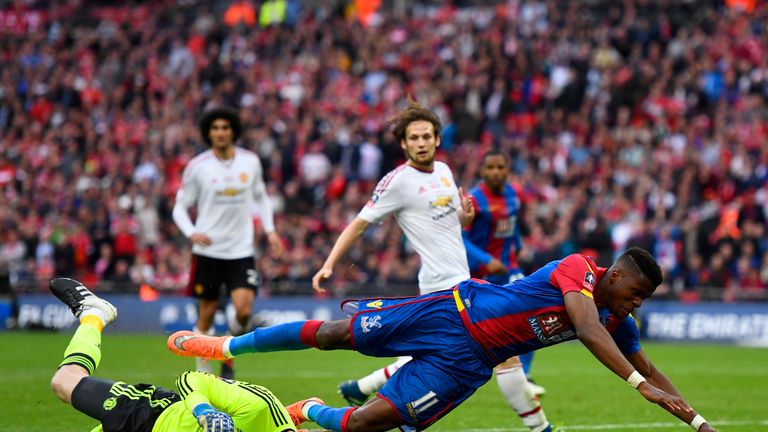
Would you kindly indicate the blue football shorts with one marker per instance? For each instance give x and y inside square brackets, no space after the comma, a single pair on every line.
[445,369]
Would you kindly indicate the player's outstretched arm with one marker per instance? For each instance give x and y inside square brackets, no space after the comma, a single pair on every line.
[351,233]
[645,367]
[583,313]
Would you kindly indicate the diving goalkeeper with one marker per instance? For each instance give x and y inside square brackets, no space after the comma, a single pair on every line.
[203,402]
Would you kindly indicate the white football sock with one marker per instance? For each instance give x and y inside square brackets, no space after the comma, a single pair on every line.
[375,380]
[306,407]
[225,347]
[514,387]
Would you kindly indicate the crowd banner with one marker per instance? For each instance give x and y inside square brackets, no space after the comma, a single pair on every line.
[167,314]
[739,323]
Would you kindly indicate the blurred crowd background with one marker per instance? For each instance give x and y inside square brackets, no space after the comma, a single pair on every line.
[635,122]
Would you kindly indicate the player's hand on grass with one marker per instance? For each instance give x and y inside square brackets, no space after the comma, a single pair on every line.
[659,396]
[707,428]
[200,239]
[276,247]
[212,420]
[321,276]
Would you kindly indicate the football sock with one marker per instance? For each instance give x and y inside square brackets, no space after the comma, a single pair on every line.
[84,348]
[93,316]
[93,320]
[527,359]
[201,364]
[282,337]
[514,387]
[327,417]
[372,382]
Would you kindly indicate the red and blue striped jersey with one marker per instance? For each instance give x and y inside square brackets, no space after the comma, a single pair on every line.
[494,232]
[528,314]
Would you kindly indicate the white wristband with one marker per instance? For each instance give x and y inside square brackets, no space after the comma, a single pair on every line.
[635,379]
[697,422]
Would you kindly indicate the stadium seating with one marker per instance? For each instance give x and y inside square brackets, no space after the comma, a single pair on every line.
[629,123]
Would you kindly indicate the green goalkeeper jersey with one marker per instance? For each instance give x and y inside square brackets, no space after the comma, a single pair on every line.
[253,408]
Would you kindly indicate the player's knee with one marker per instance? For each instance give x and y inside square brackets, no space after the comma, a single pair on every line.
[510,364]
[56,386]
[363,420]
[334,335]
[358,423]
[61,387]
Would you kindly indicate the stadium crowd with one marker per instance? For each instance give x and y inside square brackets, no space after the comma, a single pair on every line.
[629,123]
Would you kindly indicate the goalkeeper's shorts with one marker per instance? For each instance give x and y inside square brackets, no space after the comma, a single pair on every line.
[122,407]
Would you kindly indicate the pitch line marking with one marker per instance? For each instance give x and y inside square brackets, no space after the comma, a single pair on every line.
[624,426]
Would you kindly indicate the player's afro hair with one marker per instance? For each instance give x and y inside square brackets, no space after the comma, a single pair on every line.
[414,112]
[646,263]
[496,152]
[220,113]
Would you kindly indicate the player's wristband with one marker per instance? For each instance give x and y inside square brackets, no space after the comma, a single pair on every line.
[697,422]
[635,379]
[202,409]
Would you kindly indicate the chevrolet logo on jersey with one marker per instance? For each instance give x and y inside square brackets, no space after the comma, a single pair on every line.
[230,192]
[375,304]
[441,201]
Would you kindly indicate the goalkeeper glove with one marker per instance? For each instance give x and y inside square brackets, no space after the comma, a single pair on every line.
[212,420]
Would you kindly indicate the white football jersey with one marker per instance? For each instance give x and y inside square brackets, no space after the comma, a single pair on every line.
[426,206]
[225,193]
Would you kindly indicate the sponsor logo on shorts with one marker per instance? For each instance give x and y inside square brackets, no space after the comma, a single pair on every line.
[370,322]
[110,403]
[551,328]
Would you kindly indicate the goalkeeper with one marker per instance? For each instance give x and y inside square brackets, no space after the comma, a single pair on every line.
[203,402]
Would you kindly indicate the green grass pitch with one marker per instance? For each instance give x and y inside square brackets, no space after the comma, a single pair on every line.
[726,384]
